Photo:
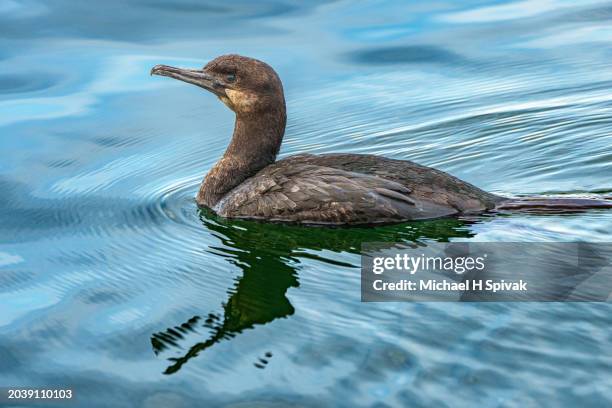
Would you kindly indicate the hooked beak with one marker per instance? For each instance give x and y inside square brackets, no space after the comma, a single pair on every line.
[191,76]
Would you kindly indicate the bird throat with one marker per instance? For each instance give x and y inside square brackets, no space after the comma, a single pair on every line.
[254,145]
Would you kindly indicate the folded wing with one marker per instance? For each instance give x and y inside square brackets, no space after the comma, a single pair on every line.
[313,194]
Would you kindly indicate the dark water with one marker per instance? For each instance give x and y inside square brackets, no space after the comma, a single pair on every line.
[113,284]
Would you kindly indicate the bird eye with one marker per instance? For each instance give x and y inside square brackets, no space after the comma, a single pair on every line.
[230,77]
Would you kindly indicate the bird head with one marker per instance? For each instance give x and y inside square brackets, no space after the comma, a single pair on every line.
[246,85]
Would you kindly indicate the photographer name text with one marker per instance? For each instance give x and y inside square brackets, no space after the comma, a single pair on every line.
[444,285]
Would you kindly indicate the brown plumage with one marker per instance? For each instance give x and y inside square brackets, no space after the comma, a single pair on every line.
[350,189]
[331,189]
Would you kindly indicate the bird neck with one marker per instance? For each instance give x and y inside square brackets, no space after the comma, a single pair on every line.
[255,144]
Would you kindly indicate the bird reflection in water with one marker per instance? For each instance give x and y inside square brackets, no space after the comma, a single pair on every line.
[269,256]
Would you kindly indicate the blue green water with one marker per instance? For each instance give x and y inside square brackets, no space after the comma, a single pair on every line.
[112,283]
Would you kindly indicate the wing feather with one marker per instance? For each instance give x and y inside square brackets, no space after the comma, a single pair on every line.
[319,194]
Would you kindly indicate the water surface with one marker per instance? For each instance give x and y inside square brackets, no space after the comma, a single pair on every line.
[114,284]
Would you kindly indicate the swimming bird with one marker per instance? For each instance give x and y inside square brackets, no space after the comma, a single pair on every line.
[328,189]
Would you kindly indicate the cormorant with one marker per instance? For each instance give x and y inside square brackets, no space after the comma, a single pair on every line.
[328,189]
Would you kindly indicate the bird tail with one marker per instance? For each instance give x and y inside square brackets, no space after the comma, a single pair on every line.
[555,205]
